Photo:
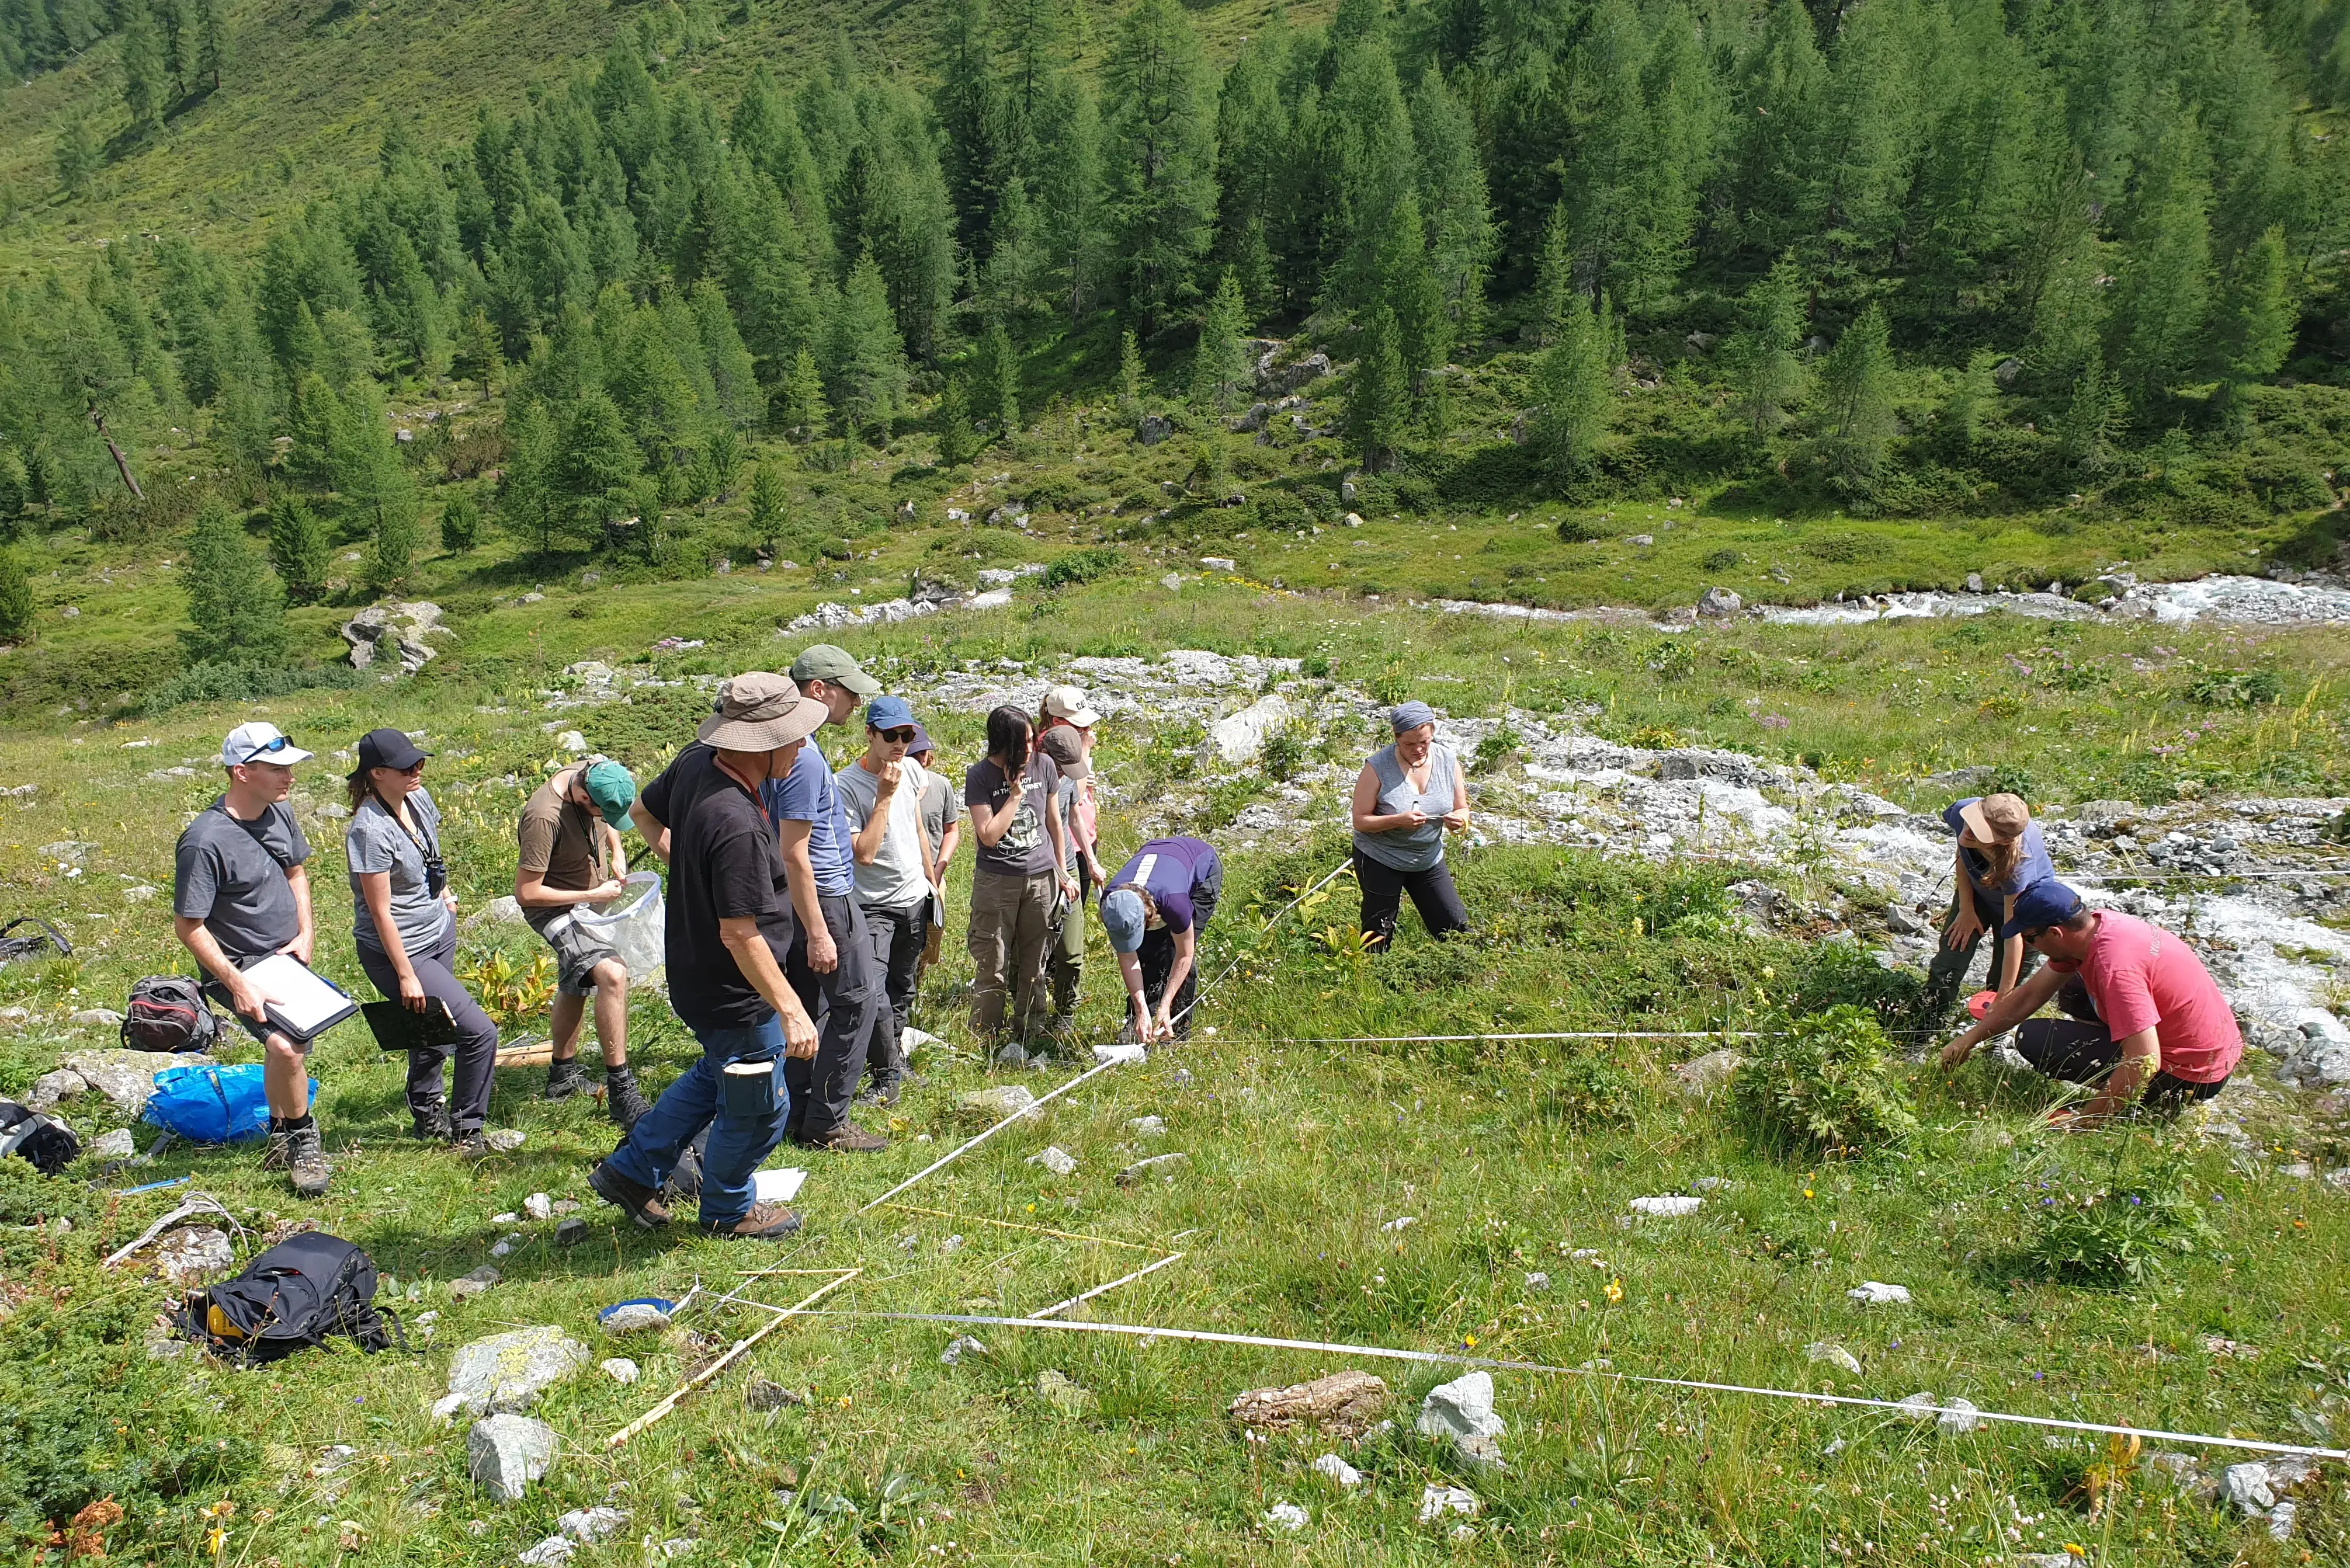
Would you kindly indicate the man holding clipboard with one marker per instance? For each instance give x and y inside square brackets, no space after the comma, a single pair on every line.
[240,894]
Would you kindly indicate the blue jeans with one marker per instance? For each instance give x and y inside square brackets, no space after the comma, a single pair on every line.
[745,1113]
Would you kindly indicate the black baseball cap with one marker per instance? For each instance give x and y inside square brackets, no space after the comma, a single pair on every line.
[389,748]
[2045,903]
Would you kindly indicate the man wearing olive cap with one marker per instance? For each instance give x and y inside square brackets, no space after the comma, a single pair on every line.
[572,858]
[726,898]
[2143,1021]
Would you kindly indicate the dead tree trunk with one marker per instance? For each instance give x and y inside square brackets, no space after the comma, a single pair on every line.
[121,464]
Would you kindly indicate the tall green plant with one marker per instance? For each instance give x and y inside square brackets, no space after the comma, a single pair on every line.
[237,606]
[16,597]
[1824,1084]
[299,550]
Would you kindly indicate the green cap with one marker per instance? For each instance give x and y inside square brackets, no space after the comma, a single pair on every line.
[612,791]
[821,662]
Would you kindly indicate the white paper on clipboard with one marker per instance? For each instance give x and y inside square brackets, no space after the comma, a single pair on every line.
[296,1000]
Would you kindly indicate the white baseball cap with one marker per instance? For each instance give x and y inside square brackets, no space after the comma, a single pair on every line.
[260,742]
[1068,702]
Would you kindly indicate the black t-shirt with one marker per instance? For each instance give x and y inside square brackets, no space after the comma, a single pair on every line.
[1026,847]
[722,865]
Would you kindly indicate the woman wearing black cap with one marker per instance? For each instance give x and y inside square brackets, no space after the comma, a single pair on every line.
[404,923]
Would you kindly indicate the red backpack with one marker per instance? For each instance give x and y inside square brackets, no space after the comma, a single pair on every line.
[167,1013]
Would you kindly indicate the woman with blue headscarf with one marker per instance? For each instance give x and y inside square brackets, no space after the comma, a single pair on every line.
[1407,795]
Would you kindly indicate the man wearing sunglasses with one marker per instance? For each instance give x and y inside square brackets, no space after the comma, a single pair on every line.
[882,793]
[241,893]
[2144,1022]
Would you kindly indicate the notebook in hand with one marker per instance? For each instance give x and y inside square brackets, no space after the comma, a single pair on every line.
[297,999]
[399,1028]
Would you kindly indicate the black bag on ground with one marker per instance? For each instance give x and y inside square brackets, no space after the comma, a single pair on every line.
[47,944]
[168,1013]
[294,1295]
[43,1142]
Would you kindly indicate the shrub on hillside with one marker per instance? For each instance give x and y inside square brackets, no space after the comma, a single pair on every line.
[1592,1090]
[1083,566]
[237,606]
[2121,1231]
[16,597]
[1825,1082]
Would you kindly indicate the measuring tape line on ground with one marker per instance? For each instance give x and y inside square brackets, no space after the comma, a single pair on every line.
[1445,1358]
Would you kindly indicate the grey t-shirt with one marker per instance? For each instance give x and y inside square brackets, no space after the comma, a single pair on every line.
[894,878]
[231,875]
[939,808]
[1410,849]
[376,841]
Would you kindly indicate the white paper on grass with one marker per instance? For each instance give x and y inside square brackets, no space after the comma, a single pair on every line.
[776,1186]
[298,1001]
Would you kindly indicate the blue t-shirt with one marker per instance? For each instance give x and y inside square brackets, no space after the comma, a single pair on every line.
[2031,866]
[1169,870]
[809,795]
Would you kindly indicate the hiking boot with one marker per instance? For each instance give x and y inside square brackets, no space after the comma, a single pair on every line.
[565,1079]
[474,1144]
[428,1123]
[881,1091]
[305,1160]
[623,1101]
[643,1204]
[765,1222]
[684,1183]
[848,1139]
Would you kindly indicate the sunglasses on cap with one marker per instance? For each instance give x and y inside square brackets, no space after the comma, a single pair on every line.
[904,736]
[265,749]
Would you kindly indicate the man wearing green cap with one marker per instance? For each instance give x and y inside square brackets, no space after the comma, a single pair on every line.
[572,856]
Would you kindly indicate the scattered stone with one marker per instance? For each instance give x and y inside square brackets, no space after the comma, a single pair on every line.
[1341,1474]
[1719,604]
[1871,1292]
[618,1368]
[1461,1412]
[1538,1280]
[570,1231]
[1163,1166]
[1672,1206]
[1344,1404]
[50,1088]
[507,1372]
[1701,1077]
[548,1554]
[1054,1159]
[1834,1355]
[1057,1391]
[499,912]
[1401,1222]
[1903,922]
[405,628]
[1436,1501]
[1286,1515]
[1642,540]
[1239,737]
[126,1077]
[1000,1101]
[1958,1417]
[592,1524]
[1153,429]
[634,1317]
[538,1206]
[116,1144]
[1147,1126]
[765,1393]
[504,1454]
[1011,1054]
[1218,564]
[1119,1051]
[1919,1406]
[962,1344]
[193,1254]
[505,1140]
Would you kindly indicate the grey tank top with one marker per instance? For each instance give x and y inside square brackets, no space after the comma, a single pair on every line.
[1410,849]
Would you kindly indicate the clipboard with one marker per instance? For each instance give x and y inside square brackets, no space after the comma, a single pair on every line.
[297,999]
[397,1028]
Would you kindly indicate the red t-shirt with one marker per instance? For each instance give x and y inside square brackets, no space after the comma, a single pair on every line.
[2141,977]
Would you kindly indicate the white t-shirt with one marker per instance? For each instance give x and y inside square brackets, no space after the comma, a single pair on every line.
[894,878]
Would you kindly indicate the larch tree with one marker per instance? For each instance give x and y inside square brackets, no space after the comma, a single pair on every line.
[237,606]
[1765,376]
[299,550]
[1219,367]
[1856,415]
[1379,400]
[1574,391]
[1161,157]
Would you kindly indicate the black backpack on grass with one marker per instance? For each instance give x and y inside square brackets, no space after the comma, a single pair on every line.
[294,1295]
[46,1143]
[168,1013]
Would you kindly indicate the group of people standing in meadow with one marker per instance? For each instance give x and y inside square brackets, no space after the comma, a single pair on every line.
[805,902]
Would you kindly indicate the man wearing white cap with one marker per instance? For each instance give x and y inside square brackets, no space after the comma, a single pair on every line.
[241,893]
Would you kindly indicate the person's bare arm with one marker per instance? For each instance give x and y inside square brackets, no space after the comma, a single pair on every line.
[654,831]
[2141,1059]
[1186,945]
[949,842]
[198,939]
[1457,817]
[532,892]
[1367,807]
[757,963]
[991,823]
[2012,1008]
[799,872]
[866,843]
[616,851]
[1058,832]
[306,939]
[375,887]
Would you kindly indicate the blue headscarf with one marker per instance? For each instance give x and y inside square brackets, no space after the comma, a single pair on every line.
[1411,716]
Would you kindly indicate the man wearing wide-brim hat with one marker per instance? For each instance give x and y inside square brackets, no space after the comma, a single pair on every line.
[726,899]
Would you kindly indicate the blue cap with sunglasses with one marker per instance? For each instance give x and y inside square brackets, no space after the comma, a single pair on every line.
[260,742]
[2045,903]
[888,713]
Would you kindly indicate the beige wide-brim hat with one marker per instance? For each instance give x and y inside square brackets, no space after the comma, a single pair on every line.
[760,712]
[1996,818]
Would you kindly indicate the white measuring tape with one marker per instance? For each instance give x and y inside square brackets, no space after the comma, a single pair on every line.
[1446,1358]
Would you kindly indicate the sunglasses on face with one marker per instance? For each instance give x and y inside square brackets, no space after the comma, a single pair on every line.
[279,744]
[897,737]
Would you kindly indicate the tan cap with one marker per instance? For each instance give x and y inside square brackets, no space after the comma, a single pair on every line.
[1996,818]
[761,712]
[1067,750]
[1068,702]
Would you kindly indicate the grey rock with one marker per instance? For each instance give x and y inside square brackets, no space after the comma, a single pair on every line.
[1902,920]
[499,912]
[473,1284]
[1717,603]
[1218,564]
[50,1088]
[1163,1166]
[2007,370]
[1238,738]
[1958,1417]
[548,1554]
[1702,342]
[1344,1404]
[71,851]
[1461,1412]
[404,627]
[116,1144]
[765,1393]
[95,1018]
[1147,1126]
[1834,1355]
[570,1231]
[1054,1159]
[1011,1054]
[126,1077]
[1919,1406]
[962,1344]
[505,1140]
[635,1317]
[1287,1516]
[1871,1292]
[592,1524]
[1643,540]
[504,1454]
[1000,1101]
[1703,1076]
[1436,1501]
[1974,581]
[1056,1390]
[1153,429]
[538,1206]
[618,1368]
[1252,420]
[1340,1473]
[191,1255]
[507,1372]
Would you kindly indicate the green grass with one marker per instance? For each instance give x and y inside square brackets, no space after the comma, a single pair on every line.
[1508,1157]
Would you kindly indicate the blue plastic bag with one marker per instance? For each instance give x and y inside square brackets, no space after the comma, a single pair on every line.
[211,1104]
